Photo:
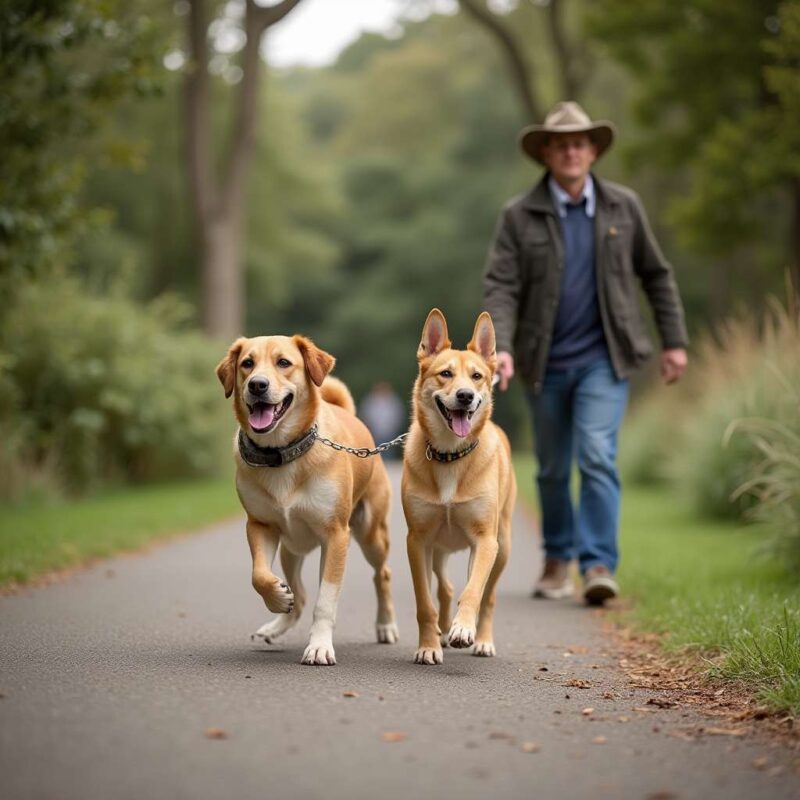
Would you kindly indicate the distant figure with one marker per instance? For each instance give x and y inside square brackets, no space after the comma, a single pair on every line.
[561,285]
[384,414]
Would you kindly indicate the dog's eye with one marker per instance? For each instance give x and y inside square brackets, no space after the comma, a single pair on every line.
[248,362]
[445,373]
[476,376]
[282,362]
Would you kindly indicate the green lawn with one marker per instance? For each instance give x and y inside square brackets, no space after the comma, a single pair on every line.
[38,539]
[707,587]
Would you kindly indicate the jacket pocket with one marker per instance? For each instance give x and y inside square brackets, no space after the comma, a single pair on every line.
[536,256]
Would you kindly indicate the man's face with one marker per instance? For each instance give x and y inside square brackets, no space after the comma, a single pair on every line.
[569,156]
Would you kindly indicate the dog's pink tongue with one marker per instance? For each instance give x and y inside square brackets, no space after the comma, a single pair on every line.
[461,425]
[262,416]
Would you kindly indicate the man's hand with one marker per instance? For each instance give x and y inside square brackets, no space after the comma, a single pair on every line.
[673,364]
[505,368]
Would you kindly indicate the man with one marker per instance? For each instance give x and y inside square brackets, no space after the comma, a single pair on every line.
[560,286]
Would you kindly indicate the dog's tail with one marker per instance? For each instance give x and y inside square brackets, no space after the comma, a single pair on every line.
[335,392]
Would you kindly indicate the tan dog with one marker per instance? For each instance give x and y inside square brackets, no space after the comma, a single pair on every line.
[281,390]
[458,488]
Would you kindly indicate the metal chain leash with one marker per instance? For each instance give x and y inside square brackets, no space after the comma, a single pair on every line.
[364,452]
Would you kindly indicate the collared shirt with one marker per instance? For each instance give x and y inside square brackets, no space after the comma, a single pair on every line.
[561,199]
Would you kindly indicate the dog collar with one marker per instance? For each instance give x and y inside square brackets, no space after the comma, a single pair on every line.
[255,456]
[437,455]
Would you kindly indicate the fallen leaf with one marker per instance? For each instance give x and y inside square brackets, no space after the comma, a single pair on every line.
[761,762]
[599,740]
[579,683]
[394,736]
[608,695]
[215,733]
[661,702]
[726,731]
[501,735]
[587,712]
[530,747]
[543,669]
[349,694]
[641,710]
[623,719]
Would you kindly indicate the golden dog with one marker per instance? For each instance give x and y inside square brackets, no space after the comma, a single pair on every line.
[458,488]
[298,493]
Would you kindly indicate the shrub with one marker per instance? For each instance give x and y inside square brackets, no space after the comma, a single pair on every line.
[746,369]
[98,390]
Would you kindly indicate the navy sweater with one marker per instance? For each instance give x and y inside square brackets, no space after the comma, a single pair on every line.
[578,337]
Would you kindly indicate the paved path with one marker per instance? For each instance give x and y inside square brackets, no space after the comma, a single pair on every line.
[110,678]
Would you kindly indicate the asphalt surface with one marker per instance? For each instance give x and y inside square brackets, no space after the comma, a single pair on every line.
[111,679]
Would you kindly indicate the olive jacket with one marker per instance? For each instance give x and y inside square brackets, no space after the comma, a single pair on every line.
[522,280]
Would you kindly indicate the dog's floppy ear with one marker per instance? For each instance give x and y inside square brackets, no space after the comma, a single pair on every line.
[434,335]
[483,342]
[318,362]
[226,369]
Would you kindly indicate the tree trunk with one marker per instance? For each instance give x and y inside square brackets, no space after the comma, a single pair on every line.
[222,279]
[517,66]
[218,201]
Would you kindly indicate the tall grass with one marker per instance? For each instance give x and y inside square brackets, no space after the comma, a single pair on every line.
[727,436]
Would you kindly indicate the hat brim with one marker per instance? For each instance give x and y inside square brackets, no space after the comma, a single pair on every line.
[533,138]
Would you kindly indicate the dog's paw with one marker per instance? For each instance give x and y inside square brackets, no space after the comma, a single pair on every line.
[281,600]
[485,649]
[387,633]
[461,635]
[428,656]
[269,632]
[319,655]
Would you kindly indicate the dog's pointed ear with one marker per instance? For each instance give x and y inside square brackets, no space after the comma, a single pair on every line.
[483,341]
[434,335]
[226,369]
[318,362]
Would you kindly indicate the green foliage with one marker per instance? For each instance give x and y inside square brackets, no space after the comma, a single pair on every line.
[773,483]
[99,389]
[746,371]
[718,85]
[63,65]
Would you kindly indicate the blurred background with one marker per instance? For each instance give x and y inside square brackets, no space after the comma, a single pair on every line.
[174,175]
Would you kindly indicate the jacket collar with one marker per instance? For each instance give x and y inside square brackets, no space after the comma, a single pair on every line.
[540,199]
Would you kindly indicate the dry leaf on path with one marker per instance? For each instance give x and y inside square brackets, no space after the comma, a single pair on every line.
[215,733]
[587,712]
[530,747]
[726,731]
[349,694]
[579,683]
[599,740]
[394,736]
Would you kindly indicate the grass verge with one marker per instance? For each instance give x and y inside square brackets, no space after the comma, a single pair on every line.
[38,539]
[708,590]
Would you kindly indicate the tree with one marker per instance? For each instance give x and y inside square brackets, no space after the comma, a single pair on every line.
[572,59]
[63,66]
[718,95]
[218,199]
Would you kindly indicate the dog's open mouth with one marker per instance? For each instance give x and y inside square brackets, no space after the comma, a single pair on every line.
[459,420]
[265,416]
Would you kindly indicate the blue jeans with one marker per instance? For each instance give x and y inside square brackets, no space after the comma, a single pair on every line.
[578,414]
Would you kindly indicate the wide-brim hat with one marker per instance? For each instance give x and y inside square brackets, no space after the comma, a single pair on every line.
[566,117]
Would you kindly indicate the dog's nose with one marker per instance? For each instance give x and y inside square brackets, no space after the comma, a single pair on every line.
[465,396]
[258,386]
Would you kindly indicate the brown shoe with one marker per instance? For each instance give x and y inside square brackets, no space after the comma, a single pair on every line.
[555,582]
[599,585]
